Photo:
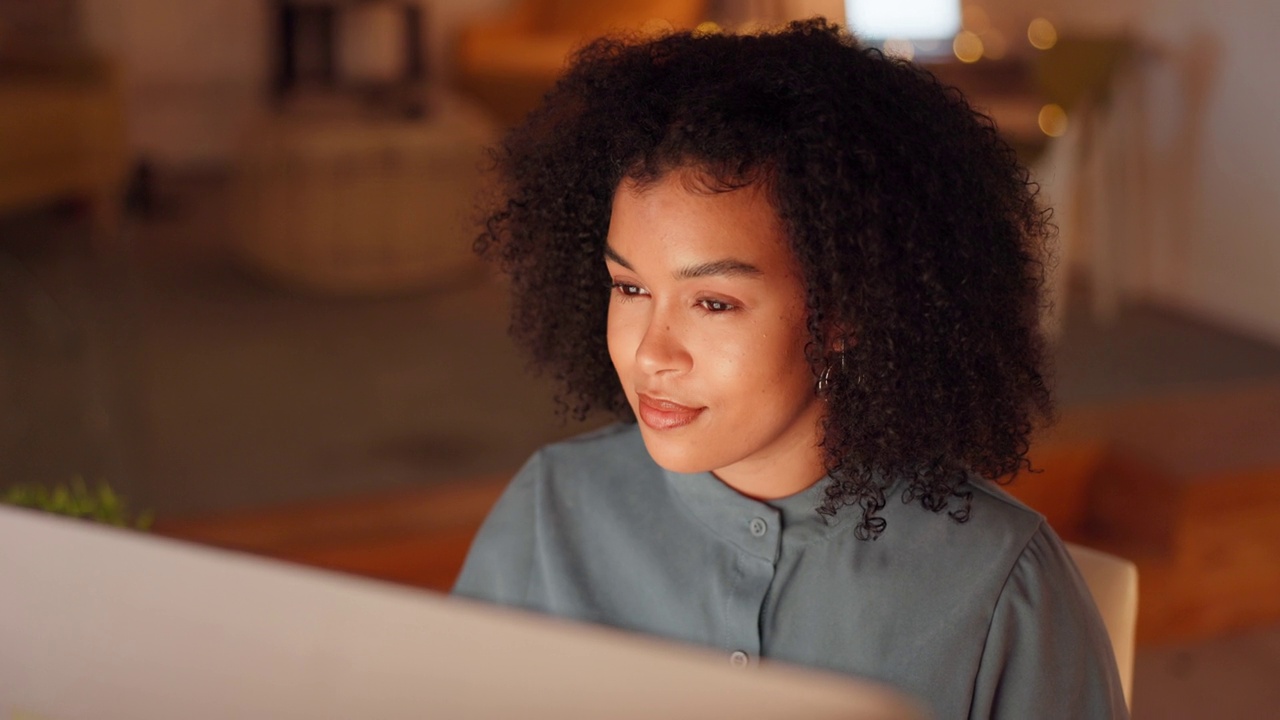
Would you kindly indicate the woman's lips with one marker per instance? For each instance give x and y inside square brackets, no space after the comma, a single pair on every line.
[664,414]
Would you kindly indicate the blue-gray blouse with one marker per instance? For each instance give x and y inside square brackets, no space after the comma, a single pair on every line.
[983,619]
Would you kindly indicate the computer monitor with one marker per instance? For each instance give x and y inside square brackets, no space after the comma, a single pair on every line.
[879,20]
[106,624]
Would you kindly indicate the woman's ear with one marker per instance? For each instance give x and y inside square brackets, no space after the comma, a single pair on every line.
[840,338]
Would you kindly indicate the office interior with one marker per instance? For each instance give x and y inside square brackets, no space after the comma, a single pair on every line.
[236,283]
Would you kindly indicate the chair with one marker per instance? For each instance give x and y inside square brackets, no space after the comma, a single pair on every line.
[1113,582]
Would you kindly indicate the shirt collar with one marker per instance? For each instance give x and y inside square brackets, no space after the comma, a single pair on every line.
[729,513]
[801,509]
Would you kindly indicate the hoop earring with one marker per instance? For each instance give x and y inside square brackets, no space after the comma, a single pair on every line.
[824,381]
[824,378]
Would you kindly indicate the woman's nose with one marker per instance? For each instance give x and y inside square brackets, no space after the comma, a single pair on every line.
[662,348]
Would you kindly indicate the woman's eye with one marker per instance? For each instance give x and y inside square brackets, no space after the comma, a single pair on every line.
[627,290]
[715,306]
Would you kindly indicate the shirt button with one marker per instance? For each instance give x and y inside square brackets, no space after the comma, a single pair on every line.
[738,659]
[758,527]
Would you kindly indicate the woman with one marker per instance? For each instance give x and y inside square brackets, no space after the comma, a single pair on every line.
[807,280]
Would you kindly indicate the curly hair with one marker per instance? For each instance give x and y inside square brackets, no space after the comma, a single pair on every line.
[917,231]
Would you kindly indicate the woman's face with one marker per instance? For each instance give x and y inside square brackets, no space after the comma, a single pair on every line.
[707,334]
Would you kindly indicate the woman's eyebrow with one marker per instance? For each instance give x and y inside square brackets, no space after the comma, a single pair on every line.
[613,255]
[729,267]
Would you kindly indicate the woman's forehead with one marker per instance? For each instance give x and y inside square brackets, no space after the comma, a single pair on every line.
[683,225]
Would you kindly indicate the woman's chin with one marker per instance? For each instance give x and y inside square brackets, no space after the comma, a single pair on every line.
[669,456]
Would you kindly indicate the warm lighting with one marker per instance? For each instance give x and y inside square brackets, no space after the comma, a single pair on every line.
[975,19]
[707,27]
[994,46]
[371,44]
[654,27]
[898,48]
[1053,120]
[1042,34]
[967,46]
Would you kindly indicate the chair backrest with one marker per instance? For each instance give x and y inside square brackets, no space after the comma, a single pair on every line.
[1113,581]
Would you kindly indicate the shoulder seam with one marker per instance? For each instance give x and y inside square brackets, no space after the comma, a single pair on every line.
[1004,586]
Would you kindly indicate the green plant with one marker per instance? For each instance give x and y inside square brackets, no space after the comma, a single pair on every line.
[78,500]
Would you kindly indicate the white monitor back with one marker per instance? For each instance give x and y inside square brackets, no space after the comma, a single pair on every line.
[904,19]
[106,624]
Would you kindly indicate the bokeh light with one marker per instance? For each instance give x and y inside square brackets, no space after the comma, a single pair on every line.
[1042,34]
[967,46]
[656,26]
[1053,120]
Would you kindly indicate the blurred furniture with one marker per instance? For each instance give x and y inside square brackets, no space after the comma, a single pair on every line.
[1113,581]
[417,536]
[1186,484]
[371,46]
[1004,90]
[356,204]
[62,135]
[360,179]
[509,61]
[1093,174]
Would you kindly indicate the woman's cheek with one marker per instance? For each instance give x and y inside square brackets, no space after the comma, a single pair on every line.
[614,334]
[731,352]
[624,331]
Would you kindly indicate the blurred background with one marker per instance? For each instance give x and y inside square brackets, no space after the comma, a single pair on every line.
[235,278]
